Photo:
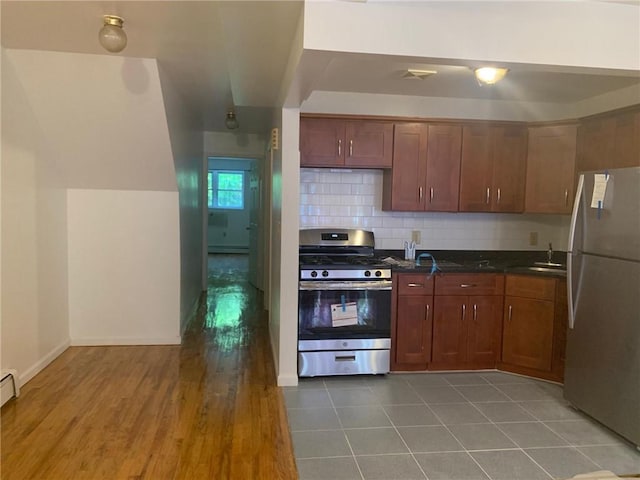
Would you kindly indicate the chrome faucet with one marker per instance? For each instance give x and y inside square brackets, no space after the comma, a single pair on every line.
[549,253]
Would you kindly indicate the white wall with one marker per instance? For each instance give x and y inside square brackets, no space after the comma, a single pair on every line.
[575,34]
[34,328]
[353,199]
[572,36]
[95,124]
[229,144]
[122,279]
[284,252]
[185,133]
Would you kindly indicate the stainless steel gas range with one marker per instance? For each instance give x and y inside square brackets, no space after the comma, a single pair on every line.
[344,304]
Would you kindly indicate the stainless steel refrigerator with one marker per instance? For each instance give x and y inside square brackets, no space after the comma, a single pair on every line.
[602,371]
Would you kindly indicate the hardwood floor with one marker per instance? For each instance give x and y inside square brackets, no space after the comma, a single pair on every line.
[208,409]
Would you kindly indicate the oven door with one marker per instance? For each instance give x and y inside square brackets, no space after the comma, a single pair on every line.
[344,309]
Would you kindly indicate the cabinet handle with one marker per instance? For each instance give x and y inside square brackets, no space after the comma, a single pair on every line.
[427,312]
[420,192]
[488,195]
[475,312]
[468,285]
[499,195]
[420,285]
[431,195]
[566,197]
[339,148]
[464,310]
[510,312]
[351,148]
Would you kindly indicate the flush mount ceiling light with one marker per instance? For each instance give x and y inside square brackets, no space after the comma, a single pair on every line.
[111,35]
[418,74]
[490,75]
[231,121]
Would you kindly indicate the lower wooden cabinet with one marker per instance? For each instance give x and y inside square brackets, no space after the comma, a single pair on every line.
[528,333]
[466,332]
[534,326]
[516,323]
[467,321]
[411,346]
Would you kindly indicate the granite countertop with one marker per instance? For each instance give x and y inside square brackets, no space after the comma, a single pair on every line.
[477,261]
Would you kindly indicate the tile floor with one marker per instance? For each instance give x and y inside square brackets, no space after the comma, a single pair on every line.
[446,426]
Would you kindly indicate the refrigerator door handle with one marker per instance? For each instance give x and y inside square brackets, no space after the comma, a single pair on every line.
[572,251]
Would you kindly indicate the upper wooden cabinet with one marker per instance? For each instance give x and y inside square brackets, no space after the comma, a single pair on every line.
[610,141]
[329,142]
[493,167]
[551,169]
[426,168]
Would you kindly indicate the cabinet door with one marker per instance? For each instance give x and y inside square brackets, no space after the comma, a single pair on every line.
[476,169]
[449,330]
[626,148]
[368,144]
[413,330]
[551,169]
[484,330]
[509,168]
[595,144]
[527,333]
[321,142]
[444,148]
[404,187]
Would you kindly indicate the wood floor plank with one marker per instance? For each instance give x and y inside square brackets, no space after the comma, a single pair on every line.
[208,409]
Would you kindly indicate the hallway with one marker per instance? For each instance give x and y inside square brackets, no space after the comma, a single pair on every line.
[206,409]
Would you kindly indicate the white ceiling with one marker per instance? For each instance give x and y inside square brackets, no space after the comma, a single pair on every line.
[223,53]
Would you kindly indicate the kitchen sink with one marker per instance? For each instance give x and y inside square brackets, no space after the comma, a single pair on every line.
[549,265]
[548,269]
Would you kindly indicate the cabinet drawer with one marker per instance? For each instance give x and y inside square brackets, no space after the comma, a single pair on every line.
[528,286]
[415,284]
[470,284]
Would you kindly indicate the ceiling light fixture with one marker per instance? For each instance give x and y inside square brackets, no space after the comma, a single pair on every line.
[111,35]
[231,121]
[412,73]
[490,75]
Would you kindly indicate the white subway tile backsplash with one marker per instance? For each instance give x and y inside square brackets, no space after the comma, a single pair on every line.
[340,189]
[353,199]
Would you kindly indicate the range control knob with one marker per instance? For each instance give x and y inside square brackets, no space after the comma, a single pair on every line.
[314,274]
[378,273]
[325,273]
[367,273]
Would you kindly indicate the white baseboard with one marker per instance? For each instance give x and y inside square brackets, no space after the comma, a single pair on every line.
[287,380]
[115,341]
[35,369]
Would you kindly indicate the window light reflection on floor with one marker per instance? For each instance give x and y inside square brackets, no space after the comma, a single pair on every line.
[225,308]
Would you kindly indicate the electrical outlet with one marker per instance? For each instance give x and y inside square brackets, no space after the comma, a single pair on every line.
[533,238]
[416,236]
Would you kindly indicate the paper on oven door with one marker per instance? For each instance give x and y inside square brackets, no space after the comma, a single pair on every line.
[343,314]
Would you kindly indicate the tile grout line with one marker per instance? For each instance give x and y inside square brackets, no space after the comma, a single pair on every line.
[402,438]
[353,455]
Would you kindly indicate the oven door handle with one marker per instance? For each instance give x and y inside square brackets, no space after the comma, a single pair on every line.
[350,285]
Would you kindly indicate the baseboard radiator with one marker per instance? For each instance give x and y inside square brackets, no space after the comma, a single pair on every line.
[9,386]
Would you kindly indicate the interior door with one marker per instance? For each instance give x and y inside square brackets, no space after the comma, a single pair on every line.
[255,210]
